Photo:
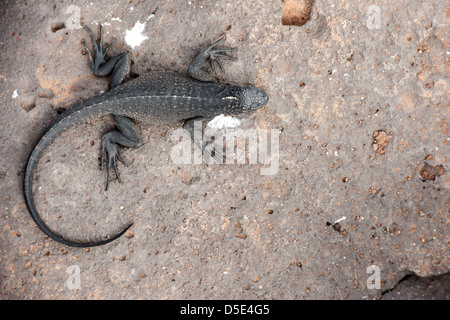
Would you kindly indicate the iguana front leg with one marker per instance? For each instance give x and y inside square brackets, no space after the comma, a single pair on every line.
[212,54]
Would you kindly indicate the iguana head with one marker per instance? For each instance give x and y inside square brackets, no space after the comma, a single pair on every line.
[252,98]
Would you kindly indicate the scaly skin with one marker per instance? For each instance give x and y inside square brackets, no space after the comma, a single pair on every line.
[156,97]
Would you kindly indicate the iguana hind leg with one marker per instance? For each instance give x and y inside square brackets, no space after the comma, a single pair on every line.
[118,66]
[126,135]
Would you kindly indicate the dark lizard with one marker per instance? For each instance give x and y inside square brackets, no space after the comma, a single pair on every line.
[158,97]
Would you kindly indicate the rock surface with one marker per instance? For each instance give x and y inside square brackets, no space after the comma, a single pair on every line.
[343,204]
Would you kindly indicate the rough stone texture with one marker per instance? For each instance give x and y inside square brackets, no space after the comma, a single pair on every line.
[336,206]
[415,288]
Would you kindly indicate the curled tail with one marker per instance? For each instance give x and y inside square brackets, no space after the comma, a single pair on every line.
[70,118]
